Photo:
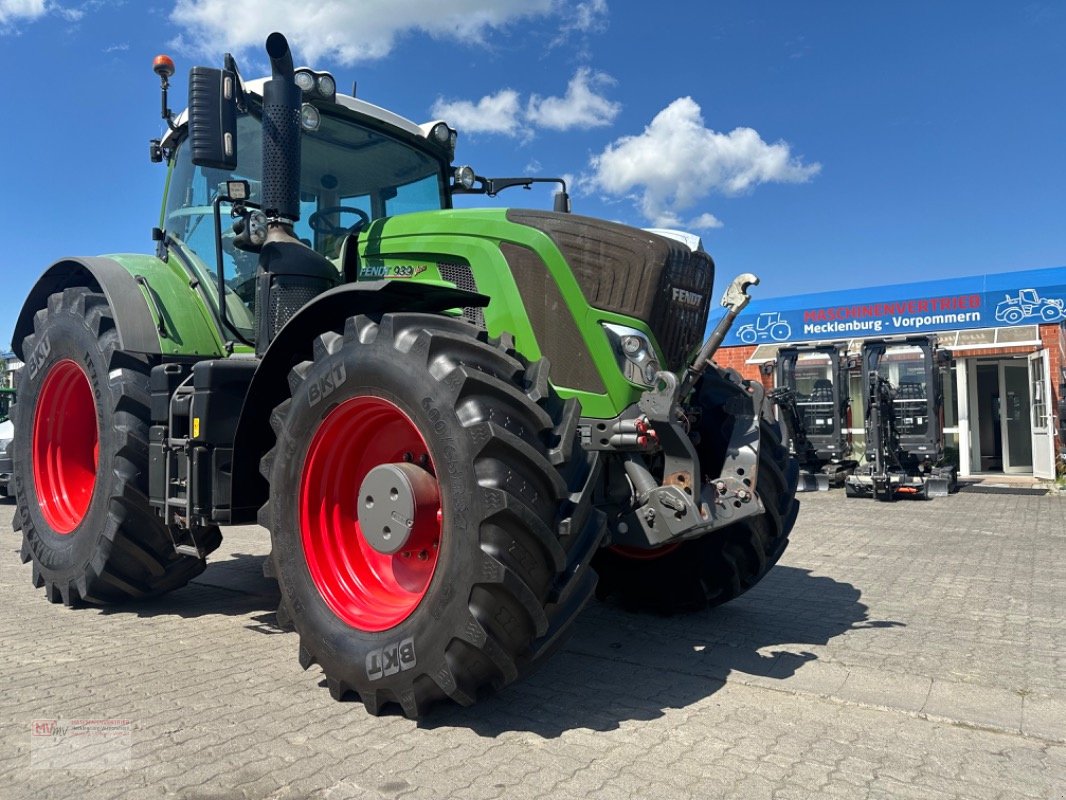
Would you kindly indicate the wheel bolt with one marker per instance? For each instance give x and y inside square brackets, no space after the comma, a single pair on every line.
[408,457]
[423,555]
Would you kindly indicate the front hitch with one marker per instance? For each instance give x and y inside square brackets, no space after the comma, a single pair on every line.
[687,502]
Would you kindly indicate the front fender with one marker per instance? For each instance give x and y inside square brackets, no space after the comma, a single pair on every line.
[156,310]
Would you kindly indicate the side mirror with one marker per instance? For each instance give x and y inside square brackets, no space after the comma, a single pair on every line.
[213,117]
[561,203]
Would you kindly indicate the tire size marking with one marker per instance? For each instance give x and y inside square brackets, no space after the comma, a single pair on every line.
[458,512]
[391,659]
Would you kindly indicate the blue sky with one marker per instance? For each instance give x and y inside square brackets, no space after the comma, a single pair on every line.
[822,145]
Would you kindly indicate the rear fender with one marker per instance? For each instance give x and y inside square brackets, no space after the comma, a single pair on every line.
[156,310]
[293,344]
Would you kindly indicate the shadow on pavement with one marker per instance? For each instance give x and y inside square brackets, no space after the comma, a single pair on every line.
[619,666]
[234,587]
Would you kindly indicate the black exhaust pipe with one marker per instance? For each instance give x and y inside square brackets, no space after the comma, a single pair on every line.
[290,273]
[281,134]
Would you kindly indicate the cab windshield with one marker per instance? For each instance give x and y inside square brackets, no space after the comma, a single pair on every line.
[350,173]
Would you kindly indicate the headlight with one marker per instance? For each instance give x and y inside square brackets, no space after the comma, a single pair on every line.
[440,133]
[305,79]
[310,119]
[465,177]
[634,353]
[316,84]
[327,87]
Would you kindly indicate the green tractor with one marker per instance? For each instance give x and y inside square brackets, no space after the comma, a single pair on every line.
[450,421]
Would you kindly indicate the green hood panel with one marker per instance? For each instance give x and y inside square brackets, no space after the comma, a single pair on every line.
[188,327]
[531,285]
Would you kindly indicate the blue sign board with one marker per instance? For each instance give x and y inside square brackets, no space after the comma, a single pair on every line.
[1005,299]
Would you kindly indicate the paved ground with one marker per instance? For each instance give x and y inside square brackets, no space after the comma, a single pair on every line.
[915,650]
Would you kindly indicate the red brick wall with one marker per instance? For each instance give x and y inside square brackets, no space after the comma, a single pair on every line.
[736,358]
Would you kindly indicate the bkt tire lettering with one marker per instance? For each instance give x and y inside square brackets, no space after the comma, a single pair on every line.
[391,659]
[39,356]
[324,386]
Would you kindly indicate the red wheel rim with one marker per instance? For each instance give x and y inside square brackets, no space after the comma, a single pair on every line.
[369,590]
[644,554]
[66,446]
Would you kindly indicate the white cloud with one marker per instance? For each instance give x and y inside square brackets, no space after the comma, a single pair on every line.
[704,222]
[581,107]
[341,29]
[495,113]
[502,113]
[588,17]
[677,162]
[12,11]
[16,11]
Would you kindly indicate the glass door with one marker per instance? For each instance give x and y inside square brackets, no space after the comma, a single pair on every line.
[1043,446]
[1015,417]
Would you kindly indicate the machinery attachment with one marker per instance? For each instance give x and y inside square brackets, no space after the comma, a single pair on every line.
[903,393]
[813,403]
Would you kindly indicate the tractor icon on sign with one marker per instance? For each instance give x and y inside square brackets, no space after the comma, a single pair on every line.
[1029,304]
[768,326]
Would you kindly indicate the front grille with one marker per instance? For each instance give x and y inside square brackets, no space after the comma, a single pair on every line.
[633,272]
[679,313]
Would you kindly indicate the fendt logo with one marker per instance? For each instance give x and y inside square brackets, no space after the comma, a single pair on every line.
[687,298]
[391,659]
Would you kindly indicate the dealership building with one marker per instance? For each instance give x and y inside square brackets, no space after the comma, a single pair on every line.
[1005,333]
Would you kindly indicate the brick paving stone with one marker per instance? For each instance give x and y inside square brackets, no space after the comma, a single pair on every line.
[910,650]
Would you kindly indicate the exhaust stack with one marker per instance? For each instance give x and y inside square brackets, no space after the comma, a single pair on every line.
[290,273]
[281,136]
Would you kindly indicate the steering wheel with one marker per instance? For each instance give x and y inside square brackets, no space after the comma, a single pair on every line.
[320,223]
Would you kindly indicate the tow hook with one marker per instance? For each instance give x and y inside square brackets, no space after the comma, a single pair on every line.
[734,300]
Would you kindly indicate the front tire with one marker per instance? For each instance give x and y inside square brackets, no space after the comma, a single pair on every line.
[463,604]
[81,479]
[721,565]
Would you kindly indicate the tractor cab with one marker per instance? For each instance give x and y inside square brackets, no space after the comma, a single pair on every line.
[358,163]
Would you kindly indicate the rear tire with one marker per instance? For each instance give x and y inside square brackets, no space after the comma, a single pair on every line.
[81,478]
[481,588]
[721,565]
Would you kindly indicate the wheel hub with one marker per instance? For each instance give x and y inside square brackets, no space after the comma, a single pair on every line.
[395,502]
